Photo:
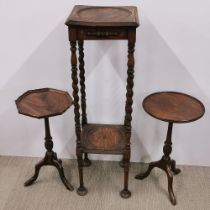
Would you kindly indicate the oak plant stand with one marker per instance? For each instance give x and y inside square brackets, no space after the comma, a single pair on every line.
[101,23]
[172,107]
[44,103]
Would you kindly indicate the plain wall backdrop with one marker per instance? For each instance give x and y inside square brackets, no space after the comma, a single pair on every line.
[172,53]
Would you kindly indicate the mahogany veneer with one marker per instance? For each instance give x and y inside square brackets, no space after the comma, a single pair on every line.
[172,107]
[45,103]
[101,23]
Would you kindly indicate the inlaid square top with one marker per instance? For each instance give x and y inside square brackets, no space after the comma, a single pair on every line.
[103,16]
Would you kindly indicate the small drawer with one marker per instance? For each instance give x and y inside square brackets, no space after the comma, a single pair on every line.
[94,34]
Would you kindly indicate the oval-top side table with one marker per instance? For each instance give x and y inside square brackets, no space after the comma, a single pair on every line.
[171,107]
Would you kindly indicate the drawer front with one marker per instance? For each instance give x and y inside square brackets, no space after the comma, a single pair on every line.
[101,34]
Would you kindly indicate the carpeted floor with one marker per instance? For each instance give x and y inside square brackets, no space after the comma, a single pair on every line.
[104,181]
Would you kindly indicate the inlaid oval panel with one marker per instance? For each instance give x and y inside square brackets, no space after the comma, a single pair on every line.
[100,14]
[103,137]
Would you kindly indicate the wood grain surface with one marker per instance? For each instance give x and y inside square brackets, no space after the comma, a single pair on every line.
[103,16]
[42,103]
[173,107]
[99,138]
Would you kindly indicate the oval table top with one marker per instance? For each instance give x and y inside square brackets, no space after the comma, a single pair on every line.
[173,107]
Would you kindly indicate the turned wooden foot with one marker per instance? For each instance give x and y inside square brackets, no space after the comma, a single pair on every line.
[125,193]
[82,190]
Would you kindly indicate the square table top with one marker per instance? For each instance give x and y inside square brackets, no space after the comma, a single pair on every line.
[100,16]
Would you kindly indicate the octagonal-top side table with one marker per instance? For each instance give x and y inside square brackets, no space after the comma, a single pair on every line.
[42,104]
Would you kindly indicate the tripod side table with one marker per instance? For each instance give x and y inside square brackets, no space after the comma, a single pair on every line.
[101,23]
[171,107]
[42,104]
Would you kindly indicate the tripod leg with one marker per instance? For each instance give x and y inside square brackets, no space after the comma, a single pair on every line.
[58,165]
[36,173]
[170,185]
[173,167]
[148,171]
